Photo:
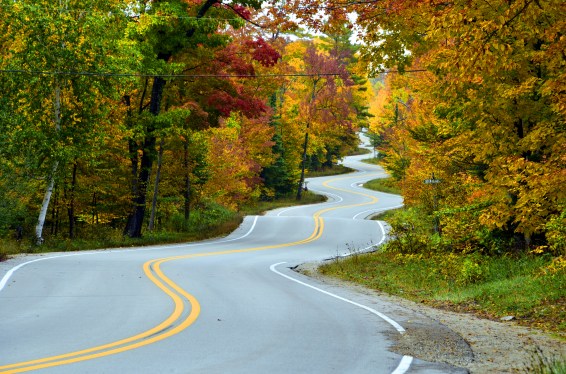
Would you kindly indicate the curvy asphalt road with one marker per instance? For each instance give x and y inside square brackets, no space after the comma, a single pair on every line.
[231,305]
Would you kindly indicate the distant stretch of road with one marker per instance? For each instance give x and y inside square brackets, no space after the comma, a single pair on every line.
[231,305]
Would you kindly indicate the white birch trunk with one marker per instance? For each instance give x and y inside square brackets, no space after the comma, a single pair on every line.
[51,185]
[45,206]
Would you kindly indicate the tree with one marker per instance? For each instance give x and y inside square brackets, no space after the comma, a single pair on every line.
[488,114]
[319,106]
[48,47]
[237,152]
[169,41]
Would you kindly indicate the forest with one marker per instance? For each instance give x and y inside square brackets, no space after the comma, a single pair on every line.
[133,116]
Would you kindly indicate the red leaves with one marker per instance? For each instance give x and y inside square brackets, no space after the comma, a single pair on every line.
[242,11]
[237,95]
[249,106]
[263,52]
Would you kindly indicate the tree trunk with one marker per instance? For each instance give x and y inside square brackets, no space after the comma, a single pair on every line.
[306,144]
[55,220]
[71,202]
[51,184]
[156,187]
[45,206]
[187,192]
[135,220]
[302,179]
[94,210]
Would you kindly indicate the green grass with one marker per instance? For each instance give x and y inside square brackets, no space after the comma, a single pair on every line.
[530,288]
[388,185]
[260,207]
[212,223]
[385,215]
[373,160]
[325,172]
[540,364]
[360,151]
[107,237]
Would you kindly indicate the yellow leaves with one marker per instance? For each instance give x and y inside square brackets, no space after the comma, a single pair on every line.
[236,153]
[557,266]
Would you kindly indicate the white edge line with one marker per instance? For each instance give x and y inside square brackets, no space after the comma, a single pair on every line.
[362,182]
[377,210]
[10,272]
[368,247]
[404,365]
[382,231]
[397,326]
[405,361]
[339,199]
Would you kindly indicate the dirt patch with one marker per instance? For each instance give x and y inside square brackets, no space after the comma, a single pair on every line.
[463,340]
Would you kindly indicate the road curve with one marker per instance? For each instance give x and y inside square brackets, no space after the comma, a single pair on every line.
[231,305]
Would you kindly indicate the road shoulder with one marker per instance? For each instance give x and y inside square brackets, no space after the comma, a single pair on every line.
[463,340]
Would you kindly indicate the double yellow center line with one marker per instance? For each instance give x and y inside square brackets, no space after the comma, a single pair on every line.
[182,300]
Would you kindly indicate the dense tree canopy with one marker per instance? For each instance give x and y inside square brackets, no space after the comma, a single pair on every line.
[113,112]
[484,111]
[117,112]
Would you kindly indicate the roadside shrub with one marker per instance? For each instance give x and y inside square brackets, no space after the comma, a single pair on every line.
[177,222]
[556,233]
[411,232]
[470,272]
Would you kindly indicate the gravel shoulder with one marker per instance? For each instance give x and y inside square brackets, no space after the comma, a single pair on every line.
[462,340]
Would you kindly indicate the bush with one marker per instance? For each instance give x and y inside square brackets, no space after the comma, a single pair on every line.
[556,233]
[470,272]
[410,232]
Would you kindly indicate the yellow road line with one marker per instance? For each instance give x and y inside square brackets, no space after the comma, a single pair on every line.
[162,331]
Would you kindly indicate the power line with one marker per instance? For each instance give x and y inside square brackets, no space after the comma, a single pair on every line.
[142,75]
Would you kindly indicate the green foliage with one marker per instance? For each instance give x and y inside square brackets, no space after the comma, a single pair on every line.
[411,232]
[278,177]
[470,272]
[556,233]
[541,364]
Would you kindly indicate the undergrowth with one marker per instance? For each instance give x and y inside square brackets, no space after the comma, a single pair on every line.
[388,185]
[208,222]
[527,287]
[540,364]
[326,171]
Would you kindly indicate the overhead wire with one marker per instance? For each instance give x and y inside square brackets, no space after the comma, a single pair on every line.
[172,76]
[142,75]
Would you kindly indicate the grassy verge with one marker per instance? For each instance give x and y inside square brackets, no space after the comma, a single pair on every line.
[325,172]
[260,207]
[388,185]
[107,237]
[360,151]
[373,160]
[212,223]
[529,288]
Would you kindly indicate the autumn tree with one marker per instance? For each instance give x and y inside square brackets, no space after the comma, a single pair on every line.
[317,106]
[55,88]
[167,30]
[488,112]
[214,97]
